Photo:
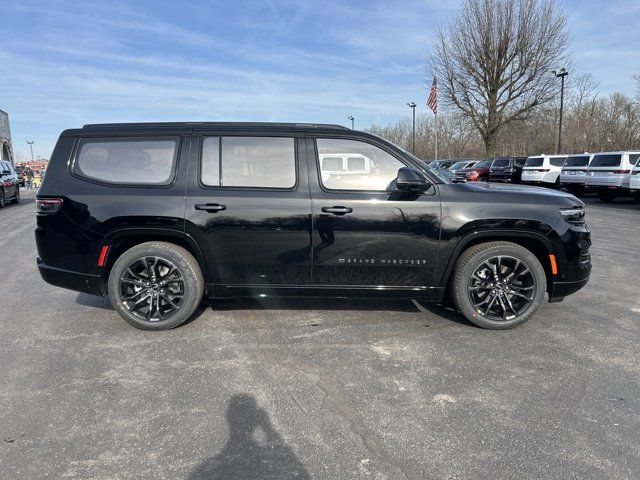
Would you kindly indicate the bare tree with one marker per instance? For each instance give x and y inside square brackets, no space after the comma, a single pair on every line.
[494,61]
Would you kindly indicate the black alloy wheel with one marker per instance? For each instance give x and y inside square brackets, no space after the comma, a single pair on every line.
[502,288]
[156,285]
[498,285]
[152,288]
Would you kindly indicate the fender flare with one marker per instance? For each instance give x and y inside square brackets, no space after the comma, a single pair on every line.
[163,234]
[472,237]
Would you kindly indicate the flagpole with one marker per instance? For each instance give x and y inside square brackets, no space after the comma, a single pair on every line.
[436,122]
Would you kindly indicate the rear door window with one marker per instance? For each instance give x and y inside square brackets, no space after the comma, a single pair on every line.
[634,158]
[127,161]
[263,162]
[606,160]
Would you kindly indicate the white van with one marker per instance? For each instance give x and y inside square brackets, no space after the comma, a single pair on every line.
[574,173]
[634,182]
[609,174]
[543,170]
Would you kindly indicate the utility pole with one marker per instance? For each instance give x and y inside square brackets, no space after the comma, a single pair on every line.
[412,105]
[560,73]
[352,118]
[30,142]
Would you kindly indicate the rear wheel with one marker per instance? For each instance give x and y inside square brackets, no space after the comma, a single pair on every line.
[498,285]
[156,285]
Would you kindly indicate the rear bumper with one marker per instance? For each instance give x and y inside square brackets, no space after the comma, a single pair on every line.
[80,282]
[502,177]
[573,180]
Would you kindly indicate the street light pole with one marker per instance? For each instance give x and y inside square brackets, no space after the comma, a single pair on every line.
[30,142]
[352,118]
[563,72]
[412,105]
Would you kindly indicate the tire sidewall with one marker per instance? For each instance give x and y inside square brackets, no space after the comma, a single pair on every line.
[463,277]
[193,284]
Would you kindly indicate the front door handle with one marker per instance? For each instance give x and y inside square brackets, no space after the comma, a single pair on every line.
[210,207]
[337,210]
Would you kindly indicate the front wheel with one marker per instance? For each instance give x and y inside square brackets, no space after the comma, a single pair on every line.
[498,285]
[156,285]
[16,199]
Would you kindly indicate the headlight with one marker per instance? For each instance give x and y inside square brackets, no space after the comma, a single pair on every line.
[573,214]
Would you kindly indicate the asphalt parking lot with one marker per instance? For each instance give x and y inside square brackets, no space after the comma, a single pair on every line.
[316,388]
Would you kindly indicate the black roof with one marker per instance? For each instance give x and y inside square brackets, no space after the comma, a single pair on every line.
[188,127]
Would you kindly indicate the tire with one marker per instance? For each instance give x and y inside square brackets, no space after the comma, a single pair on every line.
[3,201]
[164,269]
[606,196]
[16,199]
[473,282]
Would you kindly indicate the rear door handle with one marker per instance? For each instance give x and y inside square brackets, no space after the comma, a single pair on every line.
[337,210]
[210,207]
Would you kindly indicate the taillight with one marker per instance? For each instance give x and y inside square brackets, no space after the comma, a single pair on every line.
[621,172]
[543,170]
[473,175]
[46,206]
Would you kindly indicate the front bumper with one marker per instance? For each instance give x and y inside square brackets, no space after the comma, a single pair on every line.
[559,290]
[80,282]
[572,249]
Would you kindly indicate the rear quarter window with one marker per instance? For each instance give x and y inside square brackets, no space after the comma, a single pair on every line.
[127,161]
[534,162]
[501,162]
[577,161]
[557,162]
[606,160]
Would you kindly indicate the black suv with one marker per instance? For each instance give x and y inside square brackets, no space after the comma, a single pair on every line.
[9,184]
[156,215]
[507,169]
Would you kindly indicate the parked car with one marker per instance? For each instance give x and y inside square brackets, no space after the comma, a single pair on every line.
[157,215]
[479,172]
[9,185]
[506,169]
[609,174]
[462,164]
[543,170]
[634,182]
[574,173]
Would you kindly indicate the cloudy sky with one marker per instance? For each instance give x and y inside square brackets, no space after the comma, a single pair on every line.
[67,63]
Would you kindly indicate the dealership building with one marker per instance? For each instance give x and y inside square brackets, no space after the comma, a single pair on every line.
[6,150]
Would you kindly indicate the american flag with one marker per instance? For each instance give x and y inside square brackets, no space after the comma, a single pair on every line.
[432,101]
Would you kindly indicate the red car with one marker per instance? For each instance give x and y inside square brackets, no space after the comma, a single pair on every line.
[478,173]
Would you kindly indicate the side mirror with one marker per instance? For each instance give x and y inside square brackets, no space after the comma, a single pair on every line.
[411,180]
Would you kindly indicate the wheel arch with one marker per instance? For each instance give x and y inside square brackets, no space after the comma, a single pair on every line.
[122,240]
[535,242]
